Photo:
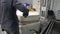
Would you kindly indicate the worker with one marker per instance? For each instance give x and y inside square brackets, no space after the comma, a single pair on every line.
[8,17]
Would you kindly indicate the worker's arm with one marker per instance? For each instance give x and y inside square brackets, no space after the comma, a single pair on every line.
[20,7]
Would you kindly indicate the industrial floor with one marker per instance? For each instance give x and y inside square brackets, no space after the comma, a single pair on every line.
[56,29]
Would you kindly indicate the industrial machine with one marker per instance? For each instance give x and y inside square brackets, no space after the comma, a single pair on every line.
[45,20]
[50,17]
[32,23]
[49,14]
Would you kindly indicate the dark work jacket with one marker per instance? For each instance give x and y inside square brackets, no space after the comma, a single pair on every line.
[8,18]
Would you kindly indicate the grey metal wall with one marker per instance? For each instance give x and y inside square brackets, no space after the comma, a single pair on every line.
[56,8]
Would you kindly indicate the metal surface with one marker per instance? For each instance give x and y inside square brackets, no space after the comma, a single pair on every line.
[28,28]
[56,8]
[56,28]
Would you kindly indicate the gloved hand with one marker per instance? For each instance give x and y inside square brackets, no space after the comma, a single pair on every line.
[25,12]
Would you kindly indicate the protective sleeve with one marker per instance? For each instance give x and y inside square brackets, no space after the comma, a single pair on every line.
[18,5]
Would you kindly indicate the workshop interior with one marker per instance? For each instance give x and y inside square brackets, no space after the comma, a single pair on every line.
[43,18]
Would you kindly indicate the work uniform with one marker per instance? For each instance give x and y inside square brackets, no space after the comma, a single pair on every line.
[8,17]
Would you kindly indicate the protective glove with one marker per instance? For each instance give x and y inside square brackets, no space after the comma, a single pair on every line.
[25,12]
